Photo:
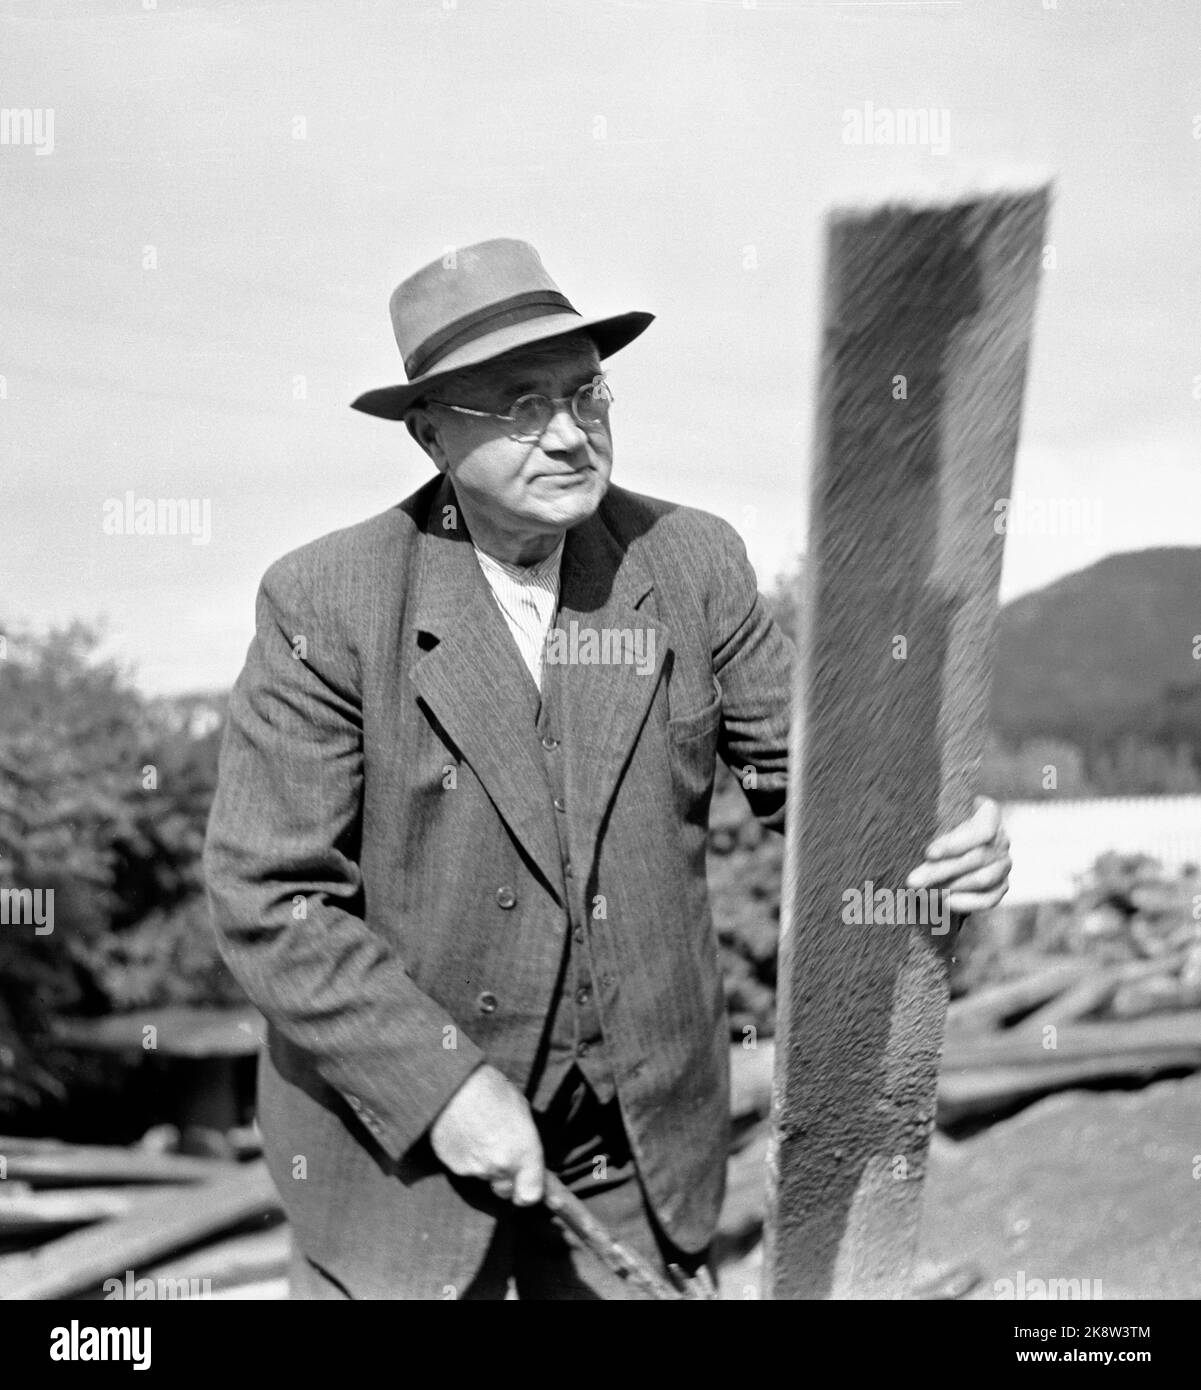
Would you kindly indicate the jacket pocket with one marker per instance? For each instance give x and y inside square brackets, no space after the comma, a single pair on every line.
[704,721]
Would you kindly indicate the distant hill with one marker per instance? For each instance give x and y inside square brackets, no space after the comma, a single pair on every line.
[1105,652]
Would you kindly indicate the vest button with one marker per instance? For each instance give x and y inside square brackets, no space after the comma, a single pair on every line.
[578,934]
[506,897]
[486,1002]
[560,804]
[582,1050]
[583,994]
[550,744]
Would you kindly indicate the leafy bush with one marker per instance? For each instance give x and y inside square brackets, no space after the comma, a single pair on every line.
[103,801]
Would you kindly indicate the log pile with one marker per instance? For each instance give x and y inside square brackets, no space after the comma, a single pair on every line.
[1106,989]
[100,1222]
[1109,996]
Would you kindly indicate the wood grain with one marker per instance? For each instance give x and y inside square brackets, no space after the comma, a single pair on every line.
[926,330]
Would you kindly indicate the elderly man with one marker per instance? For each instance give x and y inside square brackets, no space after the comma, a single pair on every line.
[457,853]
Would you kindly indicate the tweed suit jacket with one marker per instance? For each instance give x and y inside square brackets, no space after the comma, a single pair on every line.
[382,857]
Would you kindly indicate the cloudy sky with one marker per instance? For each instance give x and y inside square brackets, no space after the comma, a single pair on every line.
[196,270]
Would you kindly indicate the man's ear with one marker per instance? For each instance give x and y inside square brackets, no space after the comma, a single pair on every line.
[422,426]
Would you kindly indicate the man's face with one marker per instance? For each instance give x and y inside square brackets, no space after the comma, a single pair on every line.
[524,487]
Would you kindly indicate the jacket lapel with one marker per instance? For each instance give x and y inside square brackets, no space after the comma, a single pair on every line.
[602,706]
[474,681]
[476,685]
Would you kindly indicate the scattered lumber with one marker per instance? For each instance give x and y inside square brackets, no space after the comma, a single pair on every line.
[173,1031]
[155,1225]
[25,1213]
[1175,1035]
[263,1290]
[967,1093]
[991,1006]
[83,1165]
[233,1261]
[1098,987]
[985,1073]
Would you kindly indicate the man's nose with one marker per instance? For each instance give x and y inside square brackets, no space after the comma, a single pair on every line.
[563,433]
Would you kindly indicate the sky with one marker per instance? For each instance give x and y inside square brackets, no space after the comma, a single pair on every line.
[203,225]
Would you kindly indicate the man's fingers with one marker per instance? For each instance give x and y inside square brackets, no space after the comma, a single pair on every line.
[990,875]
[966,903]
[528,1185]
[982,828]
[943,871]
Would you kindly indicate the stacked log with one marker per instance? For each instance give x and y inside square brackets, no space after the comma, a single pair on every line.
[91,1222]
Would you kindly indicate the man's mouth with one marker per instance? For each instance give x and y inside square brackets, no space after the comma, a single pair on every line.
[574,475]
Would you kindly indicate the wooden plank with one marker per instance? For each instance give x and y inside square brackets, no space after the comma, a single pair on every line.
[179,1031]
[155,1225]
[273,1290]
[28,1213]
[1178,1033]
[980,1092]
[85,1165]
[236,1260]
[1098,987]
[927,319]
[989,1007]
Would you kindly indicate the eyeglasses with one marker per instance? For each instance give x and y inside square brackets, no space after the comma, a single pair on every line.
[531,414]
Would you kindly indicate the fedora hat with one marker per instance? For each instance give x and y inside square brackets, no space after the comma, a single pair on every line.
[472,305]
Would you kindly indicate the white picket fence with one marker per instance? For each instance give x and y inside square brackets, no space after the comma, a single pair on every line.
[1055,842]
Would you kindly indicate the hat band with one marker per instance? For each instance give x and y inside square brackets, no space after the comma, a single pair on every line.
[518,308]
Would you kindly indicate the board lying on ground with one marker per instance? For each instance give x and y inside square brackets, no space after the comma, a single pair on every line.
[156,1224]
[86,1165]
[232,1262]
[25,1213]
[992,1005]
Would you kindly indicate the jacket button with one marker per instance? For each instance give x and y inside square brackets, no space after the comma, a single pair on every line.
[486,1002]
[506,897]
[560,804]
[550,744]
[583,1050]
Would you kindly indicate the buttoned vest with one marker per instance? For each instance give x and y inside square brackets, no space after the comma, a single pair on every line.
[573,1033]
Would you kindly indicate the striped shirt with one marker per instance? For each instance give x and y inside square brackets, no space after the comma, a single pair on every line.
[527,596]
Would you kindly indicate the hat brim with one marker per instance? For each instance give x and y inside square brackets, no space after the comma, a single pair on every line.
[609,335]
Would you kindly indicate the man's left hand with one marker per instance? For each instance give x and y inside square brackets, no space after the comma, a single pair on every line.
[970,863]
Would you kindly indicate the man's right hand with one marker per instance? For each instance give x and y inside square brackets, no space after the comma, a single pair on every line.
[486,1131]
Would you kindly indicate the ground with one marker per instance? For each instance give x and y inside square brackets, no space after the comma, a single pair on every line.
[1097,1186]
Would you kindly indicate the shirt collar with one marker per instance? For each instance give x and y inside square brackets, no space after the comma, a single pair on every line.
[524,573]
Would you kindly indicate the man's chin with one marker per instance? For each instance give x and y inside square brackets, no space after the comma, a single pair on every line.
[568,503]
